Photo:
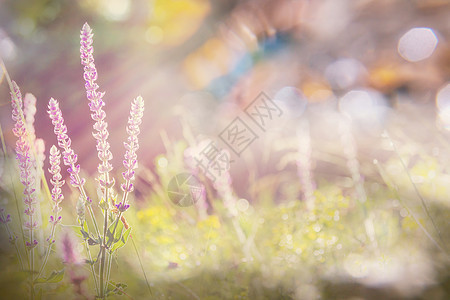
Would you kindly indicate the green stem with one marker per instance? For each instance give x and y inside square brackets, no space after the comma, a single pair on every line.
[108,270]
[91,213]
[124,199]
[103,250]
[102,268]
[117,220]
[47,254]
[31,260]
[91,266]
[21,223]
[49,248]
[110,241]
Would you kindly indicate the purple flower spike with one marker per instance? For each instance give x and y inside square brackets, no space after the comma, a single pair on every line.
[27,163]
[122,207]
[56,181]
[64,142]
[95,103]
[57,196]
[132,145]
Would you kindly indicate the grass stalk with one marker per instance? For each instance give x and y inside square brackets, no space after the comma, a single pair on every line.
[394,189]
[142,266]
[416,190]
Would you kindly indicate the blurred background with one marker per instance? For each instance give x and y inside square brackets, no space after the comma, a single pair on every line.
[383,64]
[213,56]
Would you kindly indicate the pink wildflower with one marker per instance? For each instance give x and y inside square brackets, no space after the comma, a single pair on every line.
[27,164]
[96,103]
[130,162]
[57,196]
[64,142]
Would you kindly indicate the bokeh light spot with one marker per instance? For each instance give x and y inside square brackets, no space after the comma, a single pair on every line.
[162,162]
[291,100]
[417,44]
[242,204]
[365,106]
[7,47]
[154,35]
[116,10]
[344,73]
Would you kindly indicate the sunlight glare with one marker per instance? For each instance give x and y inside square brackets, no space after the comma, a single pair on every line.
[116,10]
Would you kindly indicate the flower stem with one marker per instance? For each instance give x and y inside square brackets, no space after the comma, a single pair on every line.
[91,266]
[91,212]
[31,260]
[108,270]
[103,250]
[47,254]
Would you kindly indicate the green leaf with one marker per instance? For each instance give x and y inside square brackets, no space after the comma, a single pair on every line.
[85,226]
[91,262]
[103,205]
[85,234]
[92,242]
[122,241]
[117,233]
[55,277]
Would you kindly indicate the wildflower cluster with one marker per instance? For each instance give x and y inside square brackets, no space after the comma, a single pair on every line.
[30,156]
[113,236]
